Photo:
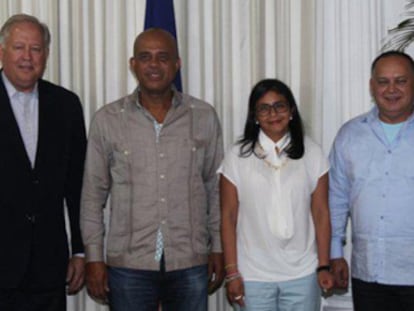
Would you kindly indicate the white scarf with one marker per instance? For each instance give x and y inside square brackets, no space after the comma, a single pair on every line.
[280,210]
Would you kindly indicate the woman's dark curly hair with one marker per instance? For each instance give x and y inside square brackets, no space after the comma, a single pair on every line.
[296,148]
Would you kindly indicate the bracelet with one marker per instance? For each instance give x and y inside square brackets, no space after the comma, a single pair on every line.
[230,265]
[232,274]
[232,277]
[228,280]
[323,268]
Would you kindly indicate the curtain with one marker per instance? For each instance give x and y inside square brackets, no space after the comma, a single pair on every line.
[321,48]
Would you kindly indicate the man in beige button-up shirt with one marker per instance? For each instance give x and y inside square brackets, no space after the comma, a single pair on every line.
[155,153]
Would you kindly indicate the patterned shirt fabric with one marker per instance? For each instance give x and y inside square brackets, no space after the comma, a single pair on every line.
[159,244]
[167,184]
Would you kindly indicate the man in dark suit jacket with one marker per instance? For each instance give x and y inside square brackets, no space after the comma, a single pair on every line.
[42,152]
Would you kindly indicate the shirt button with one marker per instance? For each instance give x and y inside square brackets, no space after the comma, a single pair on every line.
[162,200]
[161,155]
[163,222]
[162,176]
[193,149]
[389,151]
[31,218]
[126,152]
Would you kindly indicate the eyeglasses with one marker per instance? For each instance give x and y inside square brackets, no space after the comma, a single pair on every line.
[278,107]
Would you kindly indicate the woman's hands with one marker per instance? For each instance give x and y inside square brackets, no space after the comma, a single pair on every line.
[235,291]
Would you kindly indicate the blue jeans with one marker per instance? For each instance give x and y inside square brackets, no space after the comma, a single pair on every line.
[133,290]
[301,294]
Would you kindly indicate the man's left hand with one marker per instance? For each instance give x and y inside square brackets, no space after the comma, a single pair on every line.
[215,271]
[75,277]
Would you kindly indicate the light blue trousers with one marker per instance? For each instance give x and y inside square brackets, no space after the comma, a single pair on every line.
[302,294]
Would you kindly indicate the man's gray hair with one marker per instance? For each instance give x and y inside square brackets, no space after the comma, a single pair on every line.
[24,18]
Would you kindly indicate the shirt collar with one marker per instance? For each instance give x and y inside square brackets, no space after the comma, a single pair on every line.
[11,90]
[269,145]
[373,116]
[175,100]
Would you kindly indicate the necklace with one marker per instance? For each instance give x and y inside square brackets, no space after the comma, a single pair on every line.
[270,164]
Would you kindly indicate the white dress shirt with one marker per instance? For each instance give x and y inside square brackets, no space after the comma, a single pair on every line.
[25,107]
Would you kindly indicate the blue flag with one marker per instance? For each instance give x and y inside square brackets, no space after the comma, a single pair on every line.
[160,13]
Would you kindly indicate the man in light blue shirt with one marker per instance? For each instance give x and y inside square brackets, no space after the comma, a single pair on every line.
[372,182]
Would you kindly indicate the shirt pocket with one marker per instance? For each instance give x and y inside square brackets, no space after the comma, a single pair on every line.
[116,243]
[363,164]
[189,153]
[119,164]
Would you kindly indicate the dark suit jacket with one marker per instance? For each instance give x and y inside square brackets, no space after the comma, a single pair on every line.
[33,240]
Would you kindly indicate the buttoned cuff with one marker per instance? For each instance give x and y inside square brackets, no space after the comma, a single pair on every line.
[216,245]
[336,248]
[94,253]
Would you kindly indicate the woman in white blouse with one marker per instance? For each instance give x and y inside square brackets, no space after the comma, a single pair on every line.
[274,209]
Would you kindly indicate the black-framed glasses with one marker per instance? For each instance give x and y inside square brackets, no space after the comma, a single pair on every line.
[278,107]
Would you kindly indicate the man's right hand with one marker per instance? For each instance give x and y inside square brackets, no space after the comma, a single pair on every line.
[97,280]
[339,268]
